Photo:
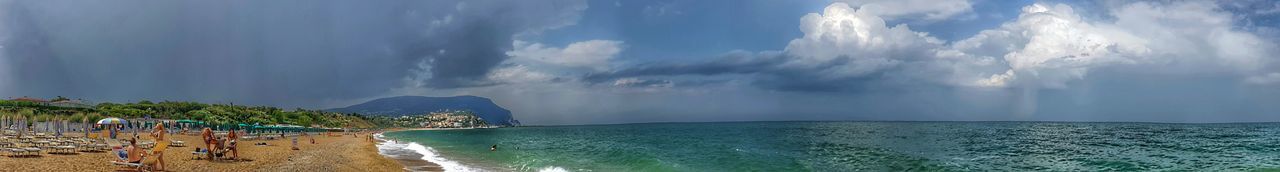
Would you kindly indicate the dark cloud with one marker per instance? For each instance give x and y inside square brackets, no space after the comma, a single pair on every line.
[285,53]
[734,63]
[767,70]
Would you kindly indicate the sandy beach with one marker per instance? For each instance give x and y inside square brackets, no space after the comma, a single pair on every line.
[330,153]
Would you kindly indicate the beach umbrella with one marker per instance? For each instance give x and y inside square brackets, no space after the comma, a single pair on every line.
[111,121]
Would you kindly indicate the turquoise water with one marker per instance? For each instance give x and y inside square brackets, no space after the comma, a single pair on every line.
[861,146]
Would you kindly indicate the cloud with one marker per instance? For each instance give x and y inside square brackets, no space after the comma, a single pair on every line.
[1050,45]
[462,48]
[519,74]
[1047,46]
[591,54]
[282,53]
[637,82]
[662,9]
[5,73]
[859,40]
[841,46]
[922,9]
[1266,79]
[738,62]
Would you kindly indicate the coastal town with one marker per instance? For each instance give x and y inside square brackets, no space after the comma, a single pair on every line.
[442,119]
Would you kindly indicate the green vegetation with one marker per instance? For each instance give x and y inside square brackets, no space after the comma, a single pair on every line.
[217,114]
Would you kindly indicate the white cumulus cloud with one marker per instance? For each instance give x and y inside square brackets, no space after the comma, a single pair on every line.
[518,74]
[593,54]
[1050,45]
[860,42]
[924,9]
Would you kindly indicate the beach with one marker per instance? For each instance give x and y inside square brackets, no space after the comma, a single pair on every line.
[330,153]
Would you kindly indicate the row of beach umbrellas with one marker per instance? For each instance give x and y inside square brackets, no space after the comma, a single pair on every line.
[60,126]
[22,125]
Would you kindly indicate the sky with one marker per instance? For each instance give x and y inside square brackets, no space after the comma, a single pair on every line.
[555,62]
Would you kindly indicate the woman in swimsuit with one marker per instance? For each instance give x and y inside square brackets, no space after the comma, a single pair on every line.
[209,141]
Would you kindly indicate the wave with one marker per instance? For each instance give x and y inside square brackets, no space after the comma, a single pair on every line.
[413,149]
[552,169]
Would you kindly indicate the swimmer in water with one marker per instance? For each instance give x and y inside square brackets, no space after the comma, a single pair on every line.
[493,148]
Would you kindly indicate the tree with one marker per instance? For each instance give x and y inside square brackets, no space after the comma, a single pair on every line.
[59,98]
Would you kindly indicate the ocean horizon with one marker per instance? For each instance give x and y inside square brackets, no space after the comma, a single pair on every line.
[903,121]
[852,146]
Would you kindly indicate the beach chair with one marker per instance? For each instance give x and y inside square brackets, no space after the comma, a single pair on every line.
[177,143]
[123,160]
[63,149]
[199,154]
[33,151]
[15,152]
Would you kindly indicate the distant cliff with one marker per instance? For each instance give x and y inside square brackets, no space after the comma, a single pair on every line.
[411,105]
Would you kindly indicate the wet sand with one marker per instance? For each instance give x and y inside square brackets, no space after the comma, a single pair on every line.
[345,153]
[412,161]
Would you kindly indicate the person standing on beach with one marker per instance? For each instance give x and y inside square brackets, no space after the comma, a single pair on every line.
[162,143]
[209,141]
[313,140]
[295,143]
[231,138]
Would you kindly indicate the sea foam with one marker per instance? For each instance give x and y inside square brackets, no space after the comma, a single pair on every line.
[552,169]
[390,149]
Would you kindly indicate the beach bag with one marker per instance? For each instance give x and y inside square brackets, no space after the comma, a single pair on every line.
[122,154]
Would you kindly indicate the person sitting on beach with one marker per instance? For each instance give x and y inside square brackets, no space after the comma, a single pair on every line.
[134,152]
[231,144]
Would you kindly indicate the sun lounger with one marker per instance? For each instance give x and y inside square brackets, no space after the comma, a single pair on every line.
[177,143]
[124,161]
[67,149]
[33,151]
[23,152]
[136,166]
[102,147]
[15,152]
[199,154]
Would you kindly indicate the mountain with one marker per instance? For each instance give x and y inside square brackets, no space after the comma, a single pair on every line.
[412,105]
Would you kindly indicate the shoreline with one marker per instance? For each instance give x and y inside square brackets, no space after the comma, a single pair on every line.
[436,129]
[415,158]
[412,161]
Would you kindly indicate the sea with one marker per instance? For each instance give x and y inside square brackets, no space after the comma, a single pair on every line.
[850,146]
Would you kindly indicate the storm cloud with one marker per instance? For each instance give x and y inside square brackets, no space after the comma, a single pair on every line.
[288,53]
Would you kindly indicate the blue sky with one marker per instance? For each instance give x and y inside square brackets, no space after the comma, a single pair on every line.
[609,61]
